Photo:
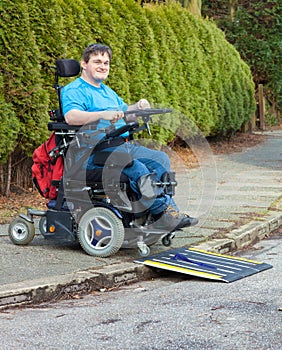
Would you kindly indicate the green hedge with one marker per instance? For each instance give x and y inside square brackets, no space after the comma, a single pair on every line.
[162,53]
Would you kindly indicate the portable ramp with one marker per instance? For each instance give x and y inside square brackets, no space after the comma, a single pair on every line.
[201,263]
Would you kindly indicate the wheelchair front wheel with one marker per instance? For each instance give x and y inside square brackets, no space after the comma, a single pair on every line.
[21,231]
[100,232]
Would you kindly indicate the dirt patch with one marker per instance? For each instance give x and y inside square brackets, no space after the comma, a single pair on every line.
[236,144]
[220,146]
[19,202]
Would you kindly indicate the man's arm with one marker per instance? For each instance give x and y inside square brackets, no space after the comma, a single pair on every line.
[77,117]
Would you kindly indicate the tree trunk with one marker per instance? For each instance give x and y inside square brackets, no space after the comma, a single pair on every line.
[1,179]
[194,6]
[232,6]
[9,172]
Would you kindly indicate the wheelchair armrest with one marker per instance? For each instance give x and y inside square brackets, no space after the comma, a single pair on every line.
[55,126]
[125,128]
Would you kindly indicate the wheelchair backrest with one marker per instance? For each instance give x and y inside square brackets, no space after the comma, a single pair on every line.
[65,68]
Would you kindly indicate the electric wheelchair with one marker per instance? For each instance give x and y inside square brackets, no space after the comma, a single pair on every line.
[96,208]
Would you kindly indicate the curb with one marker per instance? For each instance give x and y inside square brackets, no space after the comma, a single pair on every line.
[244,236]
[82,282]
[113,276]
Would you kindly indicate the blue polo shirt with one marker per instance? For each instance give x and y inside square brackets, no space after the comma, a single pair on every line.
[83,96]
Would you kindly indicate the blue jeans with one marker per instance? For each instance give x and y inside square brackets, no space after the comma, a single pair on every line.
[147,161]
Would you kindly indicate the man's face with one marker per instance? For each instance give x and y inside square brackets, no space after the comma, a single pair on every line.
[96,70]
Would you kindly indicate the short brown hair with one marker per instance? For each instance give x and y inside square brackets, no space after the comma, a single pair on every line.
[95,49]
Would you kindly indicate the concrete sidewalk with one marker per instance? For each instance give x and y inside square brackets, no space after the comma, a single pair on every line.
[237,198]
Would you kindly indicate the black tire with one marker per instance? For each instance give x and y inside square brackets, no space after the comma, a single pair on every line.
[100,232]
[42,225]
[21,231]
[166,241]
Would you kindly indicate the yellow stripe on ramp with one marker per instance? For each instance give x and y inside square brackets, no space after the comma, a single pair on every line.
[225,256]
[182,270]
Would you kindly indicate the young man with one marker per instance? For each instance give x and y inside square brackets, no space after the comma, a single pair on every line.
[88,100]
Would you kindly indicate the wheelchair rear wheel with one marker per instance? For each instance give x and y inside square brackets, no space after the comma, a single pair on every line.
[100,232]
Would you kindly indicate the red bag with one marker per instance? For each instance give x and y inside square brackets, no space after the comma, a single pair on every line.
[47,165]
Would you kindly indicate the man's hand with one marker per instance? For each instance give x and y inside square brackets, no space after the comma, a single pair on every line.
[112,116]
[143,104]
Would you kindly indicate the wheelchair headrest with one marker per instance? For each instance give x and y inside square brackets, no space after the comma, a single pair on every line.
[67,68]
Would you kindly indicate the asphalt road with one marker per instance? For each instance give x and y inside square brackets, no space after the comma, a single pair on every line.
[172,312]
